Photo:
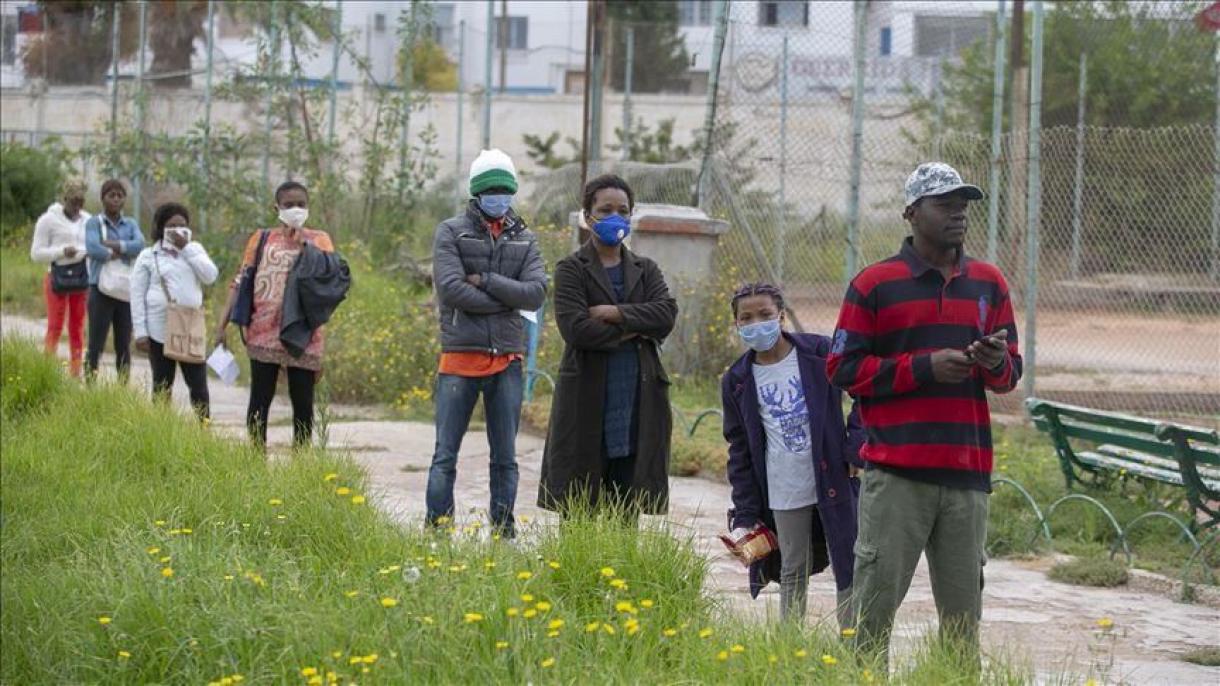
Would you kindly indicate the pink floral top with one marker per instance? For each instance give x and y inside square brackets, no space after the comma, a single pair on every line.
[263,334]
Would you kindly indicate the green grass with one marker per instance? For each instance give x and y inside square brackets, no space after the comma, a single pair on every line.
[1090,571]
[276,571]
[1208,657]
[21,282]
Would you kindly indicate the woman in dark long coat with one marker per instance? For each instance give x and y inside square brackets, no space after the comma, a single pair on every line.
[610,425]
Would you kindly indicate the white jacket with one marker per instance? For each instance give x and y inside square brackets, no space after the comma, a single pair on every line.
[185,276]
[54,232]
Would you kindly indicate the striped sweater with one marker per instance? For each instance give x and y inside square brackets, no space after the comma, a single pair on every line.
[895,315]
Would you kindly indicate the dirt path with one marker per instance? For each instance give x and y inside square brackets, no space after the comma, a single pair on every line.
[1027,617]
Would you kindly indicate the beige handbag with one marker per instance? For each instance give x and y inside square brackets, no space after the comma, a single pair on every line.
[184,328]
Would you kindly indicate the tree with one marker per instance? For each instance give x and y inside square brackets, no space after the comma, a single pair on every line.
[173,28]
[1148,66]
[75,45]
[660,57]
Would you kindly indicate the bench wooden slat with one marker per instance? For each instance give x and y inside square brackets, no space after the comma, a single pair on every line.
[1153,460]
[1123,421]
[1100,434]
[1132,468]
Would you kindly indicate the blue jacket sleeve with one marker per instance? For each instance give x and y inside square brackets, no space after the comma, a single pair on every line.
[133,246]
[855,436]
[93,240]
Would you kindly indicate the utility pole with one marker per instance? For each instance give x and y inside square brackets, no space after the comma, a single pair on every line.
[1019,162]
[584,115]
[503,32]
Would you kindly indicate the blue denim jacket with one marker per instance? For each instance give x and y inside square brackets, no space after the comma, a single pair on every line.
[127,232]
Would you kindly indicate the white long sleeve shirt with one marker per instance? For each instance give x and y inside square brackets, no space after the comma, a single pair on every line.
[54,232]
[186,272]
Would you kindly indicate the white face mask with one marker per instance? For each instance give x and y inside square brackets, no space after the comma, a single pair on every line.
[294,216]
[180,230]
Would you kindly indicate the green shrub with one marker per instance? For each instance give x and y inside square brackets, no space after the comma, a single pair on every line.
[1208,657]
[29,182]
[21,280]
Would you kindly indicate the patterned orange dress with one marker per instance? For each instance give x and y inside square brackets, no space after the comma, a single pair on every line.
[263,335]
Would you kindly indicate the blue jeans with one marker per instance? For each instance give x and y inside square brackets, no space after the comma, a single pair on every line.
[455,399]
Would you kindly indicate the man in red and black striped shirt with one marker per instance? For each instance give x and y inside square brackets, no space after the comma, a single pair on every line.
[921,337]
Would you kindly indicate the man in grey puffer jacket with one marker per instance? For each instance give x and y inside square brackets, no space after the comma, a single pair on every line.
[487,269]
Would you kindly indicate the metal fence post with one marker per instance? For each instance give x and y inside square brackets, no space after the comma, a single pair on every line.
[334,68]
[938,112]
[857,141]
[997,129]
[1216,180]
[137,183]
[461,87]
[273,56]
[408,83]
[713,84]
[780,248]
[626,142]
[1034,202]
[1078,185]
[114,86]
[490,45]
[207,118]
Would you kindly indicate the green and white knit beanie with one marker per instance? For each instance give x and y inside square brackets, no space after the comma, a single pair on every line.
[492,169]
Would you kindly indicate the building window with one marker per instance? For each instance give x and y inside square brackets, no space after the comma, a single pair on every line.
[517,33]
[695,12]
[379,22]
[936,36]
[9,40]
[887,41]
[441,25]
[783,13]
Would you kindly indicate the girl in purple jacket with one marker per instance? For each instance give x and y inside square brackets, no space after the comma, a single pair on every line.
[792,456]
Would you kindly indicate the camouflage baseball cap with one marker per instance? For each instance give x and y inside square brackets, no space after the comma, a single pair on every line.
[937,178]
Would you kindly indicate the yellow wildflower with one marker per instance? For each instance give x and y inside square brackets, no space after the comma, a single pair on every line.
[669,633]
[167,572]
[330,477]
[525,576]
[647,603]
[722,655]
[609,628]
[527,597]
[705,633]
[772,659]
[489,565]
[343,490]
[426,619]
[800,652]
[829,660]
[352,593]
[530,613]
[187,532]
[357,500]
[153,550]
[1105,623]
[309,671]
[553,564]
[552,634]
[103,620]
[512,612]
[275,501]
[159,522]
[549,662]
[738,648]
[848,633]
[165,559]
[619,584]
[389,602]
[592,626]
[501,645]
[124,655]
[555,624]
[608,572]
[472,617]
[543,606]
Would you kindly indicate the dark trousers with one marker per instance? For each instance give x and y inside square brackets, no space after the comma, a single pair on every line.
[263,379]
[163,370]
[616,487]
[106,312]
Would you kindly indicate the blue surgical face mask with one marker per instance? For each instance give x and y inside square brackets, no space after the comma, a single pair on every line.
[760,336]
[612,230]
[495,205]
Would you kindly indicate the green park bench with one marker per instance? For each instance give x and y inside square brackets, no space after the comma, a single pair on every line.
[1102,445]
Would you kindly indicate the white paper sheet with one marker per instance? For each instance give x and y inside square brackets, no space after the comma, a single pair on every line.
[224,364]
[531,316]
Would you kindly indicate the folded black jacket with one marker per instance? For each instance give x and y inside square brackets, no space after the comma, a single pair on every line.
[316,285]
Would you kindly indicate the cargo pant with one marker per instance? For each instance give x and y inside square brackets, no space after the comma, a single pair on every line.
[899,519]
